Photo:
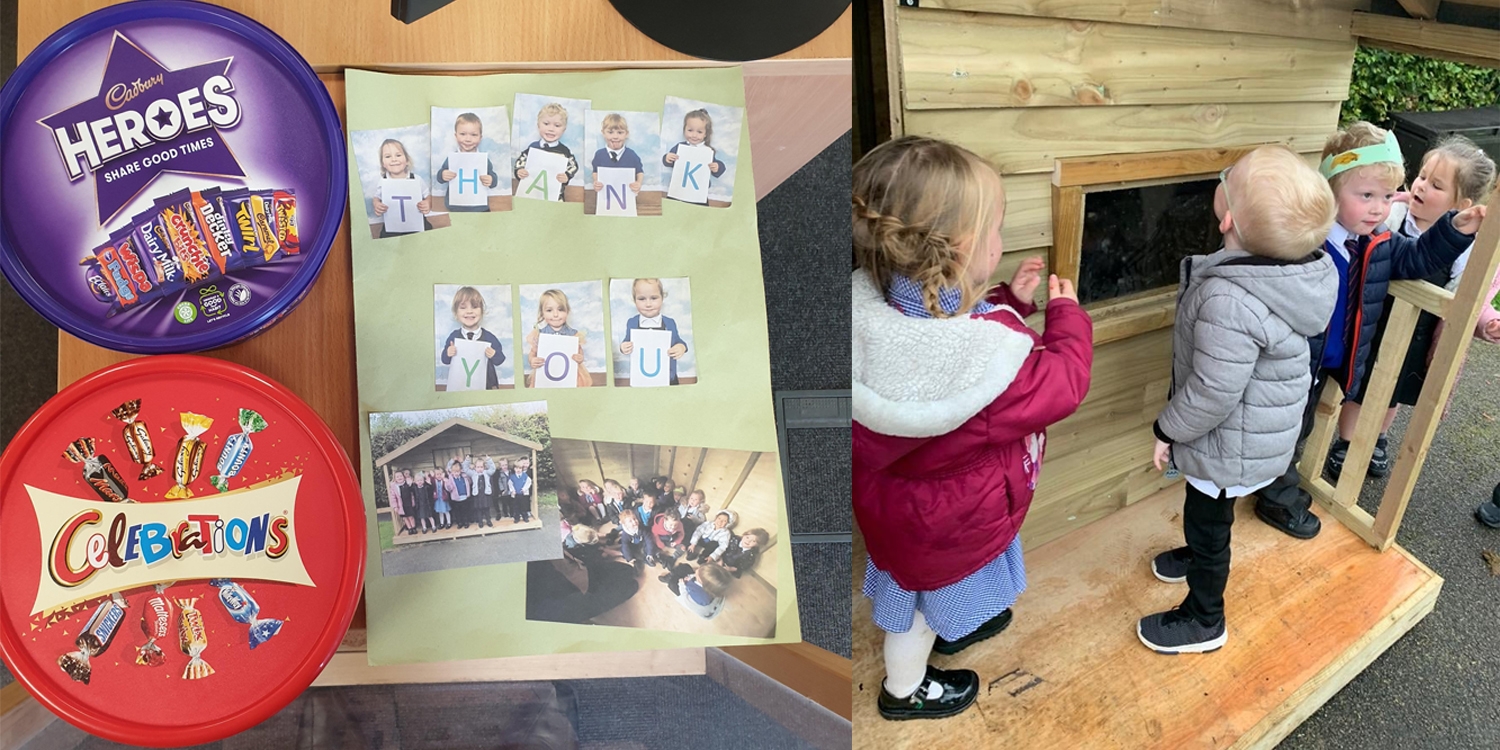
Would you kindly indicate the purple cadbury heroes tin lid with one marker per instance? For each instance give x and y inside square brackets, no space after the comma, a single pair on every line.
[172,175]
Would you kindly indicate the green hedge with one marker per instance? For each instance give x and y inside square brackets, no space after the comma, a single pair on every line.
[1384,82]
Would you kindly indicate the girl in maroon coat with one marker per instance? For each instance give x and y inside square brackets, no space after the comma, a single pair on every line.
[952,397]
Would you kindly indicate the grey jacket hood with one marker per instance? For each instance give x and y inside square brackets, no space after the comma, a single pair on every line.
[1302,293]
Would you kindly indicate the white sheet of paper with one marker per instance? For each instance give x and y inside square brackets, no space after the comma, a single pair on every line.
[466,373]
[558,369]
[542,169]
[650,367]
[465,189]
[690,174]
[616,198]
[400,198]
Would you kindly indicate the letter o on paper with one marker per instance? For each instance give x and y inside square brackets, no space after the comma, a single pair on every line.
[547,366]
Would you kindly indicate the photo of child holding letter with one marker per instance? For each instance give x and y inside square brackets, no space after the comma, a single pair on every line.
[391,163]
[619,182]
[546,143]
[470,151]
[472,333]
[564,341]
[652,322]
[699,150]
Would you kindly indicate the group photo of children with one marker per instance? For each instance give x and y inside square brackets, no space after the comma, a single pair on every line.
[546,148]
[1293,302]
[563,342]
[662,537]
[464,487]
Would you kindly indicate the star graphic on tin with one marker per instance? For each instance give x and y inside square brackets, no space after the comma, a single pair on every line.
[170,113]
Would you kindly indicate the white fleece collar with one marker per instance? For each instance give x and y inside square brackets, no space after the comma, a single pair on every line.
[918,377]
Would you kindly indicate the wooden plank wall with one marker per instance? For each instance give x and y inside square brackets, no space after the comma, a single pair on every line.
[1025,82]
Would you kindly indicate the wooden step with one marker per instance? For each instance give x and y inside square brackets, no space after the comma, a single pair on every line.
[1304,618]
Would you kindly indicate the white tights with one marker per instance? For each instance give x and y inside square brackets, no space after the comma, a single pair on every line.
[906,657]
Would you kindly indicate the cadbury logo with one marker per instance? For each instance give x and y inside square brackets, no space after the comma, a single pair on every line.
[120,93]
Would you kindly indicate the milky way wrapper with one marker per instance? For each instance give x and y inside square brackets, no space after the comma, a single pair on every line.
[97,634]
[243,608]
[98,472]
[156,623]
[192,638]
[236,450]
[137,438]
[189,459]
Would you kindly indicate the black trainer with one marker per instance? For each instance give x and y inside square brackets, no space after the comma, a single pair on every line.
[1380,460]
[987,630]
[1333,466]
[1176,632]
[1489,513]
[943,693]
[1300,523]
[1171,566]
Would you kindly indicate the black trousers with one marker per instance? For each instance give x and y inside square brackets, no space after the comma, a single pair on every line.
[1286,490]
[482,506]
[1206,521]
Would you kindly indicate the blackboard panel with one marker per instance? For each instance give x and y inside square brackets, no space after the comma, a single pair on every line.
[1134,239]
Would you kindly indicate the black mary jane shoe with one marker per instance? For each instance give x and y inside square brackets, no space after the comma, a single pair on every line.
[987,630]
[956,690]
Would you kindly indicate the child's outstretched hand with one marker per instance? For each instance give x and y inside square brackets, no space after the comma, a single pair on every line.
[563,178]
[578,358]
[1027,278]
[536,362]
[449,174]
[486,180]
[489,351]
[677,351]
[424,205]
[635,187]
[380,207]
[1060,288]
[627,347]
[1162,455]
[452,349]
[522,173]
[1469,219]
[598,185]
[713,167]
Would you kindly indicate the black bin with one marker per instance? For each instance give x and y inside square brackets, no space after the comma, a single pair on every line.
[1417,132]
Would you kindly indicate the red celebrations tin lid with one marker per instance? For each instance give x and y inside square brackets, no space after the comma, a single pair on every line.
[172,175]
[183,544]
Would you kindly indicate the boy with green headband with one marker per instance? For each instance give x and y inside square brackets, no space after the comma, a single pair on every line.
[1363,166]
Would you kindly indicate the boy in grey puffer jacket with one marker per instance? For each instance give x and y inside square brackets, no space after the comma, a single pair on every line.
[1240,372]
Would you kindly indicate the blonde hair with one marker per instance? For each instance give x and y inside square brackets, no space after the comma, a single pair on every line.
[922,207]
[614,120]
[380,159]
[1284,208]
[1473,169]
[708,124]
[552,108]
[659,288]
[470,295]
[714,580]
[1358,135]
[470,118]
[555,295]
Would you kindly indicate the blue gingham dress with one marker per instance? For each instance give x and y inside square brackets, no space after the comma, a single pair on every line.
[957,609]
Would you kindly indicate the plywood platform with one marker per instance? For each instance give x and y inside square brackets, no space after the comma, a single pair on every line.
[501,526]
[1304,618]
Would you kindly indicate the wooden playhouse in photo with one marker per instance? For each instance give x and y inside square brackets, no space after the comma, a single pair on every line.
[1110,122]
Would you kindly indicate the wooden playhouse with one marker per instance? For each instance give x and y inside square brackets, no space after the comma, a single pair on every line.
[1093,110]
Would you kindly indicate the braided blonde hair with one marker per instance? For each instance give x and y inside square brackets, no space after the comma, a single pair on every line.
[923,208]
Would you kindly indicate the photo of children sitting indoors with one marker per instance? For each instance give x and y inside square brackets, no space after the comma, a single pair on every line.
[671,538]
